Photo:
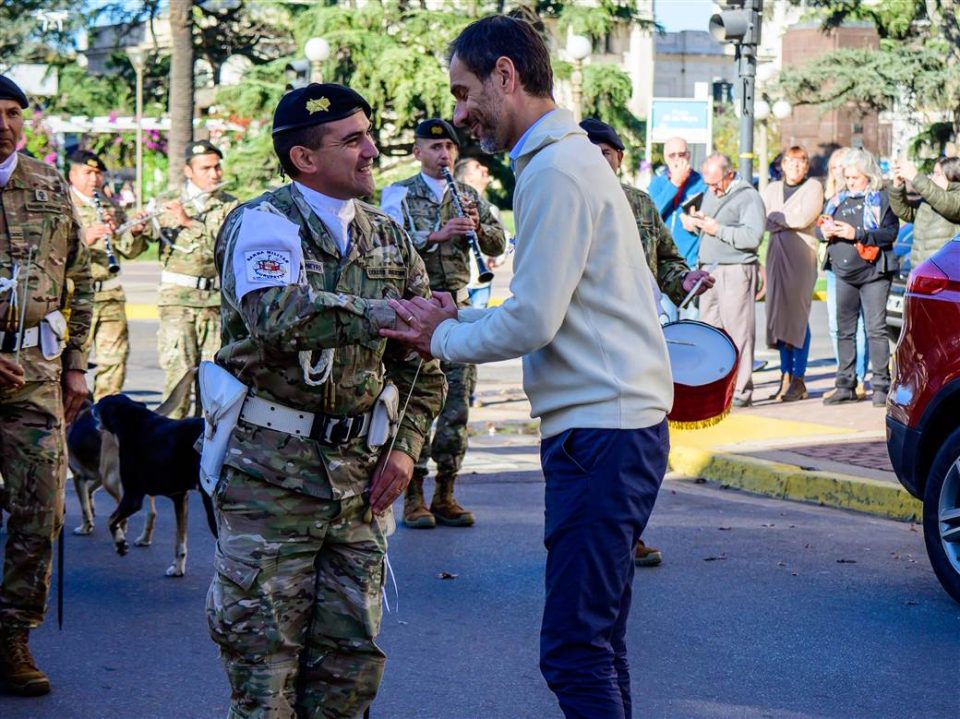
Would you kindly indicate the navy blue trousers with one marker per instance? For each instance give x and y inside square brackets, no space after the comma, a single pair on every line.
[601,487]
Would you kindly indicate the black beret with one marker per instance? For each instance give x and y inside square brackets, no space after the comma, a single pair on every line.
[202,147]
[316,104]
[87,159]
[602,132]
[9,90]
[435,129]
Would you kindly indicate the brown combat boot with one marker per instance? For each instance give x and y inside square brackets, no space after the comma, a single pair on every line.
[17,666]
[645,556]
[785,380]
[446,509]
[797,391]
[415,512]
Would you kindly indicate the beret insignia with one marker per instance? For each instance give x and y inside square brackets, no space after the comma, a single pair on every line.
[321,104]
[436,130]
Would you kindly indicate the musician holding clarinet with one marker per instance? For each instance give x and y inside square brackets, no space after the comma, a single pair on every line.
[452,228]
[100,218]
[189,298]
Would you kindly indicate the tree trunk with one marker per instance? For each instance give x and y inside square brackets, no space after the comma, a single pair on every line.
[181,87]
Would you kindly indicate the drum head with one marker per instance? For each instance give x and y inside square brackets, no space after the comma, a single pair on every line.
[699,353]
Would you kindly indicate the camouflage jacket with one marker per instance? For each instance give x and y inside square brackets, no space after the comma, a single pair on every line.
[36,211]
[189,250]
[665,261]
[126,245]
[448,263]
[340,303]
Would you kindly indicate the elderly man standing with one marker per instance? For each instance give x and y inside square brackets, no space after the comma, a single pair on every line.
[730,221]
[669,192]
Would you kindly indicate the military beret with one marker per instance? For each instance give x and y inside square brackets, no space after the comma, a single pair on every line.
[435,129]
[599,132]
[202,147]
[87,159]
[316,104]
[9,90]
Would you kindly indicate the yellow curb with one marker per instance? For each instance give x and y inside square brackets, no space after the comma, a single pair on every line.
[142,312]
[787,481]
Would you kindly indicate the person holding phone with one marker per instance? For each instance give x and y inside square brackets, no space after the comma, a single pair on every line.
[860,228]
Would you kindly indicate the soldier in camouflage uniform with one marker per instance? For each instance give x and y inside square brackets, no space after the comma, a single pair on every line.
[423,205]
[189,300]
[674,277]
[307,272]
[109,337]
[42,389]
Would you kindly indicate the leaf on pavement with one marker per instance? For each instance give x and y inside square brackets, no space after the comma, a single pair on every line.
[447,575]
[724,529]
[846,561]
[717,558]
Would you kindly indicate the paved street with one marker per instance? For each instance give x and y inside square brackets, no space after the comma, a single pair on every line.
[762,608]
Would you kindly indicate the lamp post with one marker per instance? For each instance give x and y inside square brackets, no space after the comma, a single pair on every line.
[579,49]
[138,58]
[317,51]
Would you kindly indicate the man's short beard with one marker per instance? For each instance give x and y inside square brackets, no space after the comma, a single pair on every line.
[490,145]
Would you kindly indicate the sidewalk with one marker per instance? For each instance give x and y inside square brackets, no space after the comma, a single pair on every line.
[832,456]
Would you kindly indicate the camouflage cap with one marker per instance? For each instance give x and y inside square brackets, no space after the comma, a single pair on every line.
[598,132]
[87,159]
[9,90]
[435,129]
[202,147]
[317,104]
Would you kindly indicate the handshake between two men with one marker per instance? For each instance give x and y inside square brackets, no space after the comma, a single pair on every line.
[418,318]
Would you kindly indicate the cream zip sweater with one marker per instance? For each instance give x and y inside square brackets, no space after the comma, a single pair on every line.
[581,314]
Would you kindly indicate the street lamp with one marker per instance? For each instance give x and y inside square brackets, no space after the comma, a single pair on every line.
[138,58]
[317,51]
[578,49]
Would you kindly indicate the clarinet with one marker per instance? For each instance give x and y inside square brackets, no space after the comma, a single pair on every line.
[483,272]
[112,265]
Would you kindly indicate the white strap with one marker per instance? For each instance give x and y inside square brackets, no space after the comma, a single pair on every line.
[104,285]
[264,413]
[178,278]
[31,337]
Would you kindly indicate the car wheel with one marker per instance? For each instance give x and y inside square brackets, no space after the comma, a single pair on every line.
[941,515]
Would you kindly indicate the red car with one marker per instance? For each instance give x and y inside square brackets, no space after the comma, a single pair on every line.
[923,407]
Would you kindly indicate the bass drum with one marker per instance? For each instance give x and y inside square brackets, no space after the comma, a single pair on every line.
[704,361]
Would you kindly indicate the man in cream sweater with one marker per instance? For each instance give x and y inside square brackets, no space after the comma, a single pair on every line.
[595,363]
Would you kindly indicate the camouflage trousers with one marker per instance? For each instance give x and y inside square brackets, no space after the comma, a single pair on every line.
[295,601]
[449,443]
[187,336]
[33,467]
[110,340]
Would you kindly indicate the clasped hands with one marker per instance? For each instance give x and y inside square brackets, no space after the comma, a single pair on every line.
[418,318]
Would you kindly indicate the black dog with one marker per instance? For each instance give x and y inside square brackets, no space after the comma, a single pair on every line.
[156,457]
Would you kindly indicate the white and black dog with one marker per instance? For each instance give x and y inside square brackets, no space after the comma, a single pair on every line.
[139,453]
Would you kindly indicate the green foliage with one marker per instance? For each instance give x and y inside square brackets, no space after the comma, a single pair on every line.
[606,92]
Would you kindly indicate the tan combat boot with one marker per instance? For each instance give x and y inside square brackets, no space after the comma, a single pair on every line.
[18,669]
[785,380]
[446,509]
[644,556]
[415,512]
[797,391]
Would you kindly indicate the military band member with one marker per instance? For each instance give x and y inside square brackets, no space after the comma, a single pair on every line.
[109,337]
[41,386]
[674,277]
[307,271]
[189,299]
[423,205]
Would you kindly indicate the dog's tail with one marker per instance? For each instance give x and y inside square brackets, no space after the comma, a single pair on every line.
[180,392]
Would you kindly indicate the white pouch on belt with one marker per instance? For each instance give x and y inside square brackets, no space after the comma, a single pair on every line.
[385,417]
[53,335]
[222,396]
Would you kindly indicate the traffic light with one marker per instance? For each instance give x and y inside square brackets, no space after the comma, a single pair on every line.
[739,23]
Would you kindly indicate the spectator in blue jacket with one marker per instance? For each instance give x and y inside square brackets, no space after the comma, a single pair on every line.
[669,192]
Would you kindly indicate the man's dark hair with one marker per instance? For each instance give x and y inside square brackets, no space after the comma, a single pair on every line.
[311,137]
[951,168]
[483,42]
